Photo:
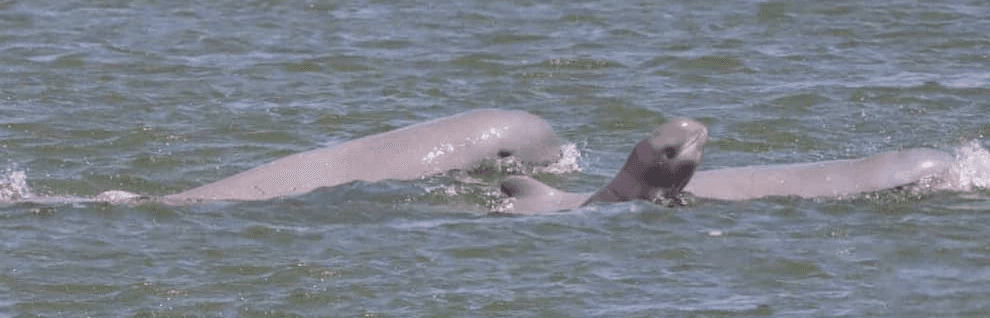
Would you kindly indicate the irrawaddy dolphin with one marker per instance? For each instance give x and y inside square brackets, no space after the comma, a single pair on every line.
[455,142]
[834,178]
[658,166]
[661,166]
[681,142]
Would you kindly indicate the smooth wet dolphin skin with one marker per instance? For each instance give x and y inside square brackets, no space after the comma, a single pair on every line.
[821,179]
[455,142]
[659,165]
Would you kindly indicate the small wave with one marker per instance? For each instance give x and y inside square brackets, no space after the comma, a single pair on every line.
[968,80]
[970,171]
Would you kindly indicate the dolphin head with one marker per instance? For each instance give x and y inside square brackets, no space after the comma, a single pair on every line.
[664,162]
[524,136]
[659,166]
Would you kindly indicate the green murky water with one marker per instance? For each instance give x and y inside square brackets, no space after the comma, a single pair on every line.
[157,97]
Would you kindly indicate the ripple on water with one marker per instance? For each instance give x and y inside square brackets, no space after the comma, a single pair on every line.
[710,65]
[160,97]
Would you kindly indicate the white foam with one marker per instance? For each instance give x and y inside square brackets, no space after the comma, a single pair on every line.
[567,163]
[116,197]
[13,185]
[970,171]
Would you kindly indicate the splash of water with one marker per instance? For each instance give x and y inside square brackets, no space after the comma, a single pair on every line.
[13,185]
[970,171]
[568,161]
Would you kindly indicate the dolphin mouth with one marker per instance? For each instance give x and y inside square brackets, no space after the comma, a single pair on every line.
[688,160]
[692,148]
[675,172]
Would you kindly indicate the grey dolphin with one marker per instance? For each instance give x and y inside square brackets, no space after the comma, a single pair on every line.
[834,178]
[455,142]
[659,166]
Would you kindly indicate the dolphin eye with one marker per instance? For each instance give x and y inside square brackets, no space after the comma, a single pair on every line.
[504,153]
[669,152]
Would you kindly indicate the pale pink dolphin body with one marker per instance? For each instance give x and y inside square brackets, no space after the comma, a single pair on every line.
[456,142]
[419,150]
[834,178]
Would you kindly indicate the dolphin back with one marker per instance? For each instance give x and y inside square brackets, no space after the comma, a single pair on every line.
[821,179]
[455,142]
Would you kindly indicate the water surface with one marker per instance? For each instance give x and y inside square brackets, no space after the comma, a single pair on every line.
[158,97]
